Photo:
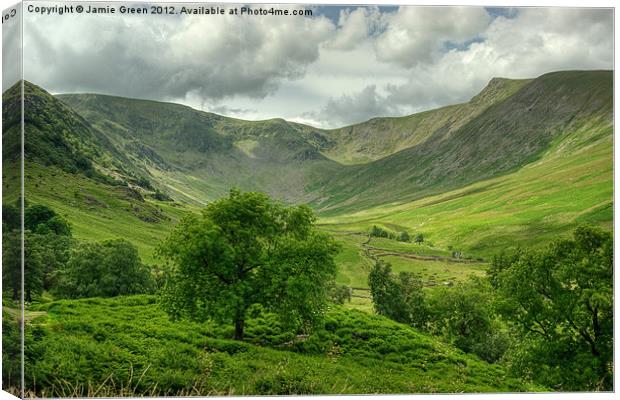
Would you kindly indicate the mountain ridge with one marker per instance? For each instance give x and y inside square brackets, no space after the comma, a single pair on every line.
[196,156]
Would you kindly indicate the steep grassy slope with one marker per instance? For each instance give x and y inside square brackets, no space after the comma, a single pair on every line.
[128,346]
[381,137]
[55,135]
[198,156]
[95,210]
[570,183]
[505,137]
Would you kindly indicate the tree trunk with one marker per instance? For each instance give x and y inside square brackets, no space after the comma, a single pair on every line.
[239,325]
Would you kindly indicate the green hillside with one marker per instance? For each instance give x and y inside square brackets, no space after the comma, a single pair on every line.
[197,156]
[381,137]
[571,183]
[128,346]
[503,138]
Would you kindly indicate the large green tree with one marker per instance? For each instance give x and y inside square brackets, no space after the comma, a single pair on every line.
[44,256]
[561,301]
[244,250]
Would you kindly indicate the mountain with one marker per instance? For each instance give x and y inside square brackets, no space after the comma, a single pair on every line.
[506,136]
[97,157]
[198,156]
[380,137]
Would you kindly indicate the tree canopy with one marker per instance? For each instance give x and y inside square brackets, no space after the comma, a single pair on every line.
[243,250]
[47,239]
[561,300]
[109,268]
[398,297]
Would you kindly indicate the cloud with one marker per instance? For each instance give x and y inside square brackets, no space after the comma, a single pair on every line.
[231,111]
[531,42]
[355,27]
[172,57]
[416,35]
[360,63]
[348,109]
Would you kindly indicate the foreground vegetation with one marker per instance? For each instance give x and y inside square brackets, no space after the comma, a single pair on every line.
[546,314]
[128,346]
[537,317]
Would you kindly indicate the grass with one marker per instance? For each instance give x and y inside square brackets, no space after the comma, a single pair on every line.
[128,346]
[353,265]
[406,247]
[572,183]
[97,211]
[436,272]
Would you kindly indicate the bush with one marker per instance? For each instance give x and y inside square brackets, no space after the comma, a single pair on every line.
[339,294]
[379,232]
[403,237]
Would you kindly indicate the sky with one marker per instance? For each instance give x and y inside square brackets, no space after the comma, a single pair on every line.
[341,66]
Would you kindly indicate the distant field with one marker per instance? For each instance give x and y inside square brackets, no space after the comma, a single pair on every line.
[435,272]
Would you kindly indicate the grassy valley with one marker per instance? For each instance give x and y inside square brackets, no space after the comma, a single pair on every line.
[569,184]
[436,195]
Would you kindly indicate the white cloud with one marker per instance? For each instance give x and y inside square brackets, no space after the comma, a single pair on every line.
[535,41]
[355,27]
[416,35]
[368,63]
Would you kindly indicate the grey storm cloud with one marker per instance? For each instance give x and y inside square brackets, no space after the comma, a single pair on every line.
[357,107]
